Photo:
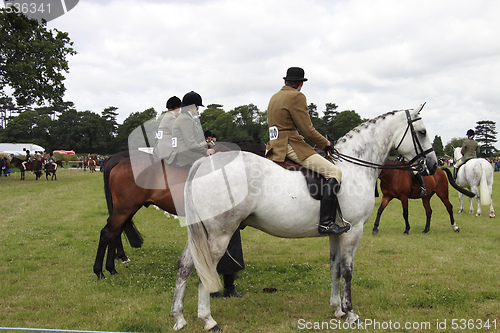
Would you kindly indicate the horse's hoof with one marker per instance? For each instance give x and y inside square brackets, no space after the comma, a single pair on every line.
[406,233]
[374,232]
[100,276]
[216,328]
[126,261]
[456,229]
[425,231]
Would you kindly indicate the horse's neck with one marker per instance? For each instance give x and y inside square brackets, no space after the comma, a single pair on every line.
[373,141]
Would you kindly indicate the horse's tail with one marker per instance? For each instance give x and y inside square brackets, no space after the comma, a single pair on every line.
[133,235]
[198,243]
[483,184]
[455,186]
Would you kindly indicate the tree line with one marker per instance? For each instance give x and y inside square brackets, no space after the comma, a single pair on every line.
[33,60]
[85,132]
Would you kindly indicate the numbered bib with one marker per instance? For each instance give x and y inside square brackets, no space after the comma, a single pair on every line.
[174,142]
[159,135]
[273,133]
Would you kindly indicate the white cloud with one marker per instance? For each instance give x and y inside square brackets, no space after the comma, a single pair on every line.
[371,56]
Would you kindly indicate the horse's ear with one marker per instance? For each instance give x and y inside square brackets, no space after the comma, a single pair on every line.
[417,110]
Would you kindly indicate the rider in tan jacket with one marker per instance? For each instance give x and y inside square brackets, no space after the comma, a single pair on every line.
[287,114]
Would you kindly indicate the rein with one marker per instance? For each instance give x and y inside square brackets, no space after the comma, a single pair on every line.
[419,157]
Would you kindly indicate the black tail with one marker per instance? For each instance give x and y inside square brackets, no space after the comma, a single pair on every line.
[133,235]
[455,186]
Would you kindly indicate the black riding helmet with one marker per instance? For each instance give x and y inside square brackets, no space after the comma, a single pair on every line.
[192,98]
[470,132]
[174,102]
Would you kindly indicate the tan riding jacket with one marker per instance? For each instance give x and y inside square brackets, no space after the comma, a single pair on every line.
[287,112]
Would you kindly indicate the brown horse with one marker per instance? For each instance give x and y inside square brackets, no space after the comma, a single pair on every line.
[50,169]
[124,198]
[33,165]
[399,184]
[90,162]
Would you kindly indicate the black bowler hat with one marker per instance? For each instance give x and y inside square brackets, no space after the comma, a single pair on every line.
[192,98]
[295,74]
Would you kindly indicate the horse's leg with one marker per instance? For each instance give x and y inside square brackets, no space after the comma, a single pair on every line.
[426,201]
[385,201]
[110,259]
[348,245]
[404,204]
[107,241]
[449,207]
[335,300]
[204,312]
[185,267]
[461,198]
[492,210]
[120,252]
[478,201]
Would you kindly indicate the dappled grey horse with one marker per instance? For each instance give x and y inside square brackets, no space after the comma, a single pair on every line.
[248,190]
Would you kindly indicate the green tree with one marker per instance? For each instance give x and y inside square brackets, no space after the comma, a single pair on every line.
[450,146]
[134,120]
[109,115]
[344,122]
[486,137]
[29,126]
[315,119]
[32,59]
[215,119]
[250,123]
[328,119]
[438,146]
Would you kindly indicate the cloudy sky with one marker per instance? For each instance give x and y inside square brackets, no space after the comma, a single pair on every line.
[371,56]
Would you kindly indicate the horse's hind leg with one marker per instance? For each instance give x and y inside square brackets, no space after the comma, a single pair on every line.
[383,204]
[120,252]
[185,267]
[449,207]
[404,203]
[348,244]
[428,213]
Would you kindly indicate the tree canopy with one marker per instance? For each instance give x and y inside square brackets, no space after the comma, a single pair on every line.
[32,59]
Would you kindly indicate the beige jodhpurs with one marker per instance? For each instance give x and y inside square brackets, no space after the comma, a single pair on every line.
[317,163]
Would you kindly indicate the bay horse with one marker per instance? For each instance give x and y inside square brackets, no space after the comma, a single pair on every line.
[50,170]
[90,162]
[477,175]
[399,184]
[159,184]
[249,190]
[34,165]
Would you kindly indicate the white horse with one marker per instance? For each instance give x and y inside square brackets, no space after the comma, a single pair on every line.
[476,172]
[248,190]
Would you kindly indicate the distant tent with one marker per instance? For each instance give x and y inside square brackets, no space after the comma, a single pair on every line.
[20,148]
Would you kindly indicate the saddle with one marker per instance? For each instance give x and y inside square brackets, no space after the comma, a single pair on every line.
[313,179]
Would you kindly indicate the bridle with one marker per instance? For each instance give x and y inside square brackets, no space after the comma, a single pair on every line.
[416,163]
[420,152]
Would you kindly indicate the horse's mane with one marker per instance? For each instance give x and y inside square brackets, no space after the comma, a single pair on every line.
[365,125]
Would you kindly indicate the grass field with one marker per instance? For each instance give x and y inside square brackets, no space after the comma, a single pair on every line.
[48,240]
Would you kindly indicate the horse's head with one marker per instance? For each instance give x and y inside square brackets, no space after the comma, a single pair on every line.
[414,143]
[457,154]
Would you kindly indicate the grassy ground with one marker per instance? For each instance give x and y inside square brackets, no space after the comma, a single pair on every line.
[48,239]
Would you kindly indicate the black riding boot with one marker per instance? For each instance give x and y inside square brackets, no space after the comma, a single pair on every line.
[328,209]
[229,288]
[420,180]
